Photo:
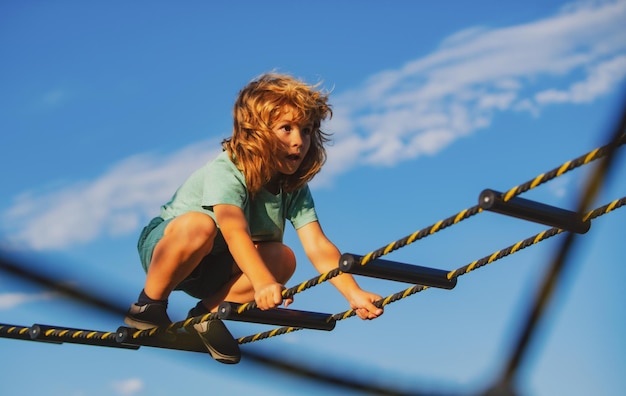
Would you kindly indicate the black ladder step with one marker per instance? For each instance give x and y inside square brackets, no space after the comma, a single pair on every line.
[533,211]
[400,272]
[276,316]
[181,339]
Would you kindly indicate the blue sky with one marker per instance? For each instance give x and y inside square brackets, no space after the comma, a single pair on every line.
[106,108]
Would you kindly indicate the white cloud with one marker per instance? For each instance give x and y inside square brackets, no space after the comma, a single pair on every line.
[129,386]
[54,97]
[561,186]
[115,203]
[601,78]
[432,101]
[399,114]
[11,300]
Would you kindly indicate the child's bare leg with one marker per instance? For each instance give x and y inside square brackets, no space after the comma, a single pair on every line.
[186,240]
[279,259]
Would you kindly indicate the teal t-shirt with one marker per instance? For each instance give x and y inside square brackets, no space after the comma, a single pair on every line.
[220,182]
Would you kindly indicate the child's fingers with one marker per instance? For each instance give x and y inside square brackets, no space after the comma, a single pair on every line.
[278,295]
[369,311]
[269,296]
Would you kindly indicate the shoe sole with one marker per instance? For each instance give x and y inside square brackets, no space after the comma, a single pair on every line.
[218,356]
[136,324]
[226,359]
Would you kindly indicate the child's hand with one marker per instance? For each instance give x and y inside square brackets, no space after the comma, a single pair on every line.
[362,303]
[270,296]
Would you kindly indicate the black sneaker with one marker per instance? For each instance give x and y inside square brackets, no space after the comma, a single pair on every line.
[148,316]
[218,340]
[198,310]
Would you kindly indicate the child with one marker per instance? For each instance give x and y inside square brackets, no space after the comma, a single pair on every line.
[220,237]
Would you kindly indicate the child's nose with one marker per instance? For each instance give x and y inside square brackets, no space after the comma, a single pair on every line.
[296,138]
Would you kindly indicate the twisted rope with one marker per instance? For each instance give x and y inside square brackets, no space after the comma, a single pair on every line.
[533,240]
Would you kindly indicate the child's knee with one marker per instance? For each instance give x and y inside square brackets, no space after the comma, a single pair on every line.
[287,263]
[279,258]
[198,230]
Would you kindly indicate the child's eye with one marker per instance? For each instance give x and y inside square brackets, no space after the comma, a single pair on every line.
[287,128]
[307,130]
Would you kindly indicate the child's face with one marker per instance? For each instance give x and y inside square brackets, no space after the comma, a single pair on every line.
[295,137]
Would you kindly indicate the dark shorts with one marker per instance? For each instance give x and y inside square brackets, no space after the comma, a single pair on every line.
[207,278]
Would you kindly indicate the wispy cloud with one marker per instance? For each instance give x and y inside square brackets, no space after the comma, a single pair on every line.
[573,57]
[600,79]
[128,387]
[53,98]
[115,203]
[11,300]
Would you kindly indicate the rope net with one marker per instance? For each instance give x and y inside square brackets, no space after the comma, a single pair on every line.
[174,335]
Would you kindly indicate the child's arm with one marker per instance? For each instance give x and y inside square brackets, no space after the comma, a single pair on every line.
[234,227]
[325,257]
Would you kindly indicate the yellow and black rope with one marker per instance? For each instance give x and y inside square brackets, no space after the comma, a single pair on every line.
[14,331]
[159,336]
[517,190]
[542,236]
[154,337]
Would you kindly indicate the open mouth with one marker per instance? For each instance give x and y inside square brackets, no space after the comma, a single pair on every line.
[293,157]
